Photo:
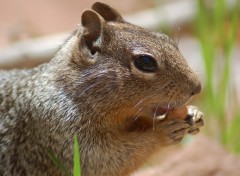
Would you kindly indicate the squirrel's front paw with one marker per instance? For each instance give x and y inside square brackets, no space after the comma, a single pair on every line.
[195,119]
[175,130]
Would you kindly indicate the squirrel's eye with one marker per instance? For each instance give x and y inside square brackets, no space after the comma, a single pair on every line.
[145,63]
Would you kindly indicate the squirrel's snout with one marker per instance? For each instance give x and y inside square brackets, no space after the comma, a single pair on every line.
[197,89]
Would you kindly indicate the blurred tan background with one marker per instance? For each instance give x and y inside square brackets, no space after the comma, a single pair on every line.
[21,19]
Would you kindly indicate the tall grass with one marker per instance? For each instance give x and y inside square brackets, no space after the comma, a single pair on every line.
[216,28]
[76,158]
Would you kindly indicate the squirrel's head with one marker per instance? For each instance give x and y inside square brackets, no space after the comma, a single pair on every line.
[120,65]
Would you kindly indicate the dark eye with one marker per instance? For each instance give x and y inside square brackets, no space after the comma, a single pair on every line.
[145,63]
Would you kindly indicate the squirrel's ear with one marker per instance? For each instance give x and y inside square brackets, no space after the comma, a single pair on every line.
[92,24]
[92,30]
[107,12]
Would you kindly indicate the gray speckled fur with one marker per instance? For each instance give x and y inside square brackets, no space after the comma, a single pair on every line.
[96,96]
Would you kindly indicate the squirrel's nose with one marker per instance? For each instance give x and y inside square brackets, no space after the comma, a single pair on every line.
[197,89]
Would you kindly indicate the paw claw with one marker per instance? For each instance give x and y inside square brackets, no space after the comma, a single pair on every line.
[175,130]
[194,131]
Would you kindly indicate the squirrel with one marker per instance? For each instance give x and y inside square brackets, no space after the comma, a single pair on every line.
[107,85]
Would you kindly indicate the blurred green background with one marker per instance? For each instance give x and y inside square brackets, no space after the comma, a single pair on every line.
[217,29]
[216,26]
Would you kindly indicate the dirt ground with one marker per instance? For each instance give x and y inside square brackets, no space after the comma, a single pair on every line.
[202,157]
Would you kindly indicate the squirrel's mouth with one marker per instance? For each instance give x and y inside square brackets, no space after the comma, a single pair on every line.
[147,118]
[160,113]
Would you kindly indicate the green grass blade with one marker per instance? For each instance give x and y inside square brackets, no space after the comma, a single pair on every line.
[232,136]
[76,169]
[229,40]
[58,163]
[206,37]
[232,34]
[219,16]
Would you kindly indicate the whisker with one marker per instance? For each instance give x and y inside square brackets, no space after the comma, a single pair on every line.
[139,103]
[154,117]
[137,115]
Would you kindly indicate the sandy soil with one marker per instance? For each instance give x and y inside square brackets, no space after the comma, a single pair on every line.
[203,157]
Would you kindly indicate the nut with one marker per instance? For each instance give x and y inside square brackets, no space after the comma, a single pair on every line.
[194,113]
[184,113]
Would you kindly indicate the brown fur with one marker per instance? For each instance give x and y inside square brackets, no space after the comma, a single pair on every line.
[92,88]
